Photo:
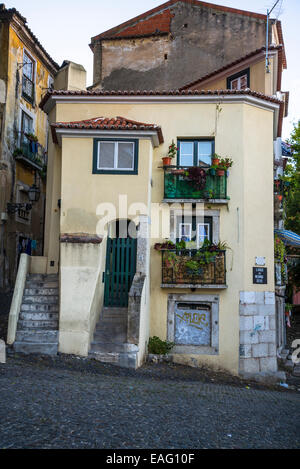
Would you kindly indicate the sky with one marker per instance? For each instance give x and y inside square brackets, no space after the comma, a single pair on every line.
[65,27]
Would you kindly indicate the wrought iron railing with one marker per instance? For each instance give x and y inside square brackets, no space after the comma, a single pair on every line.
[183,266]
[28,89]
[178,184]
[32,153]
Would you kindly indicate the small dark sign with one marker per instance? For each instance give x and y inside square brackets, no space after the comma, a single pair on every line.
[260,275]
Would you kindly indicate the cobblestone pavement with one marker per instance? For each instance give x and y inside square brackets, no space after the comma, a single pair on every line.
[66,402]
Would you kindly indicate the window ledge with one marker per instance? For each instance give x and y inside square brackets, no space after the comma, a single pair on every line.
[193,286]
[202,201]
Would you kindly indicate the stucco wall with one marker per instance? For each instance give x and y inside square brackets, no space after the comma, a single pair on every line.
[242,132]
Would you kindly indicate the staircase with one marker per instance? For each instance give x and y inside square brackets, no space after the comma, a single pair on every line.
[37,330]
[110,337]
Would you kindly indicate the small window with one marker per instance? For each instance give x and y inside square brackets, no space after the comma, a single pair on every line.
[194,230]
[195,152]
[28,78]
[115,156]
[26,128]
[239,81]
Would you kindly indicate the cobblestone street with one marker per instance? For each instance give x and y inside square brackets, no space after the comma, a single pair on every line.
[74,403]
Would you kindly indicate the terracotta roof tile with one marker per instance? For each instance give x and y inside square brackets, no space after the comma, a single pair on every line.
[133,22]
[106,123]
[182,93]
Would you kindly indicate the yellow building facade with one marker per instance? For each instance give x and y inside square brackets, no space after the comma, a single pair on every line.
[221,318]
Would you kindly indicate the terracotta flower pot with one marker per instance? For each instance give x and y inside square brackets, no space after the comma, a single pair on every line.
[220,172]
[167,161]
[178,171]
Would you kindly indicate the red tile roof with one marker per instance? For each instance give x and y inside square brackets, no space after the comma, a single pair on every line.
[280,37]
[182,93]
[228,66]
[140,26]
[106,123]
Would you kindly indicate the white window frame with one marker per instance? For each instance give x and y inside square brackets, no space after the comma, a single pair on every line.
[198,235]
[116,154]
[238,79]
[180,230]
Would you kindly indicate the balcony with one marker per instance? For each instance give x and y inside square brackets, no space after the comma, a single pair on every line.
[193,269]
[31,154]
[189,184]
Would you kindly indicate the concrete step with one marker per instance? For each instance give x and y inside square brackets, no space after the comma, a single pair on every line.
[36,316]
[42,291]
[32,284]
[50,325]
[39,308]
[111,334]
[114,312]
[33,348]
[42,277]
[126,360]
[28,299]
[37,336]
[104,357]
[104,347]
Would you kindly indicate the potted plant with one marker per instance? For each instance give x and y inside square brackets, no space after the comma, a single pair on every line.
[215,159]
[167,160]
[164,246]
[224,165]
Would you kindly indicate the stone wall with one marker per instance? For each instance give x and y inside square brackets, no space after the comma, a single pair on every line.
[186,42]
[257,333]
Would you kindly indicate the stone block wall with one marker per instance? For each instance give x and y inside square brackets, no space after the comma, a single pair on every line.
[257,333]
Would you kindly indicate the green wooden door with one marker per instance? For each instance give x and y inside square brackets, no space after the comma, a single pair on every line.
[120,270]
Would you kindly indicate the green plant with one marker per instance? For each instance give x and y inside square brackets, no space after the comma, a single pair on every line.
[32,137]
[18,152]
[172,150]
[226,162]
[181,244]
[279,253]
[159,347]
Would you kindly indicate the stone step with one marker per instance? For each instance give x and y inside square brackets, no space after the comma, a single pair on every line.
[32,284]
[28,299]
[127,360]
[118,337]
[42,291]
[109,347]
[33,347]
[39,308]
[50,325]
[42,277]
[104,357]
[40,337]
[36,316]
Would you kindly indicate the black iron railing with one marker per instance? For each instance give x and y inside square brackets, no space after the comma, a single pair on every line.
[183,266]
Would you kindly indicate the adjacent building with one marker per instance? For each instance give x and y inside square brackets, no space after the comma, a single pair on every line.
[26,73]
